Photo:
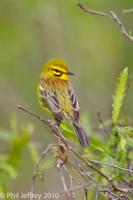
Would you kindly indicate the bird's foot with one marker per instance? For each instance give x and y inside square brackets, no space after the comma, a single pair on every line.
[53,122]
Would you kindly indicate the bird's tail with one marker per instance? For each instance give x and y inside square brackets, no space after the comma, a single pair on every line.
[81,134]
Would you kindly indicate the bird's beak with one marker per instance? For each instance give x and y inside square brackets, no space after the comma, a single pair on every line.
[70,73]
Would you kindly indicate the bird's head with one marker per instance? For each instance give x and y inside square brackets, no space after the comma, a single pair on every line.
[56,68]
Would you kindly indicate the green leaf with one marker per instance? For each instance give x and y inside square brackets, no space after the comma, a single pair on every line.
[97,144]
[109,171]
[68,131]
[8,169]
[123,143]
[18,145]
[119,95]
[128,130]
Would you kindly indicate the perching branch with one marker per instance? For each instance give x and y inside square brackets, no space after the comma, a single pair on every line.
[111,15]
[54,128]
[62,158]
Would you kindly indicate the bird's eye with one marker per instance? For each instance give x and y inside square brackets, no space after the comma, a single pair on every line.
[56,70]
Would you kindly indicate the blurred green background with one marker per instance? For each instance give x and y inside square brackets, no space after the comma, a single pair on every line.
[33,31]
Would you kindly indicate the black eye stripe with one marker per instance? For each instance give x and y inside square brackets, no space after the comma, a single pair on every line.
[56,70]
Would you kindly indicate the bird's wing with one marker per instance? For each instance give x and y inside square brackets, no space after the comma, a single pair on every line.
[50,100]
[75,104]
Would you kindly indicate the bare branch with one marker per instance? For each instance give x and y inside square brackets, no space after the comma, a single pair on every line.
[111,194]
[111,165]
[116,188]
[91,166]
[68,195]
[35,173]
[120,24]
[71,181]
[86,193]
[80,186]
[92,12]
[62,152]
[54,128]
[111,15]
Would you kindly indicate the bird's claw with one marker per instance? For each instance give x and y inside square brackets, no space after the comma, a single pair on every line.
[52,122]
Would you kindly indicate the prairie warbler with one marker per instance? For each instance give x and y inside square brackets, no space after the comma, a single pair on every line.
[57,96]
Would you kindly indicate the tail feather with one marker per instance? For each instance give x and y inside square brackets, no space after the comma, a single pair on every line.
[81,134]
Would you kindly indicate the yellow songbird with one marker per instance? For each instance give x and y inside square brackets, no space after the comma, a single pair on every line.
[57,96]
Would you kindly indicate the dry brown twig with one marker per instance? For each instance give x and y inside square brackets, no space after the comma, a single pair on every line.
[111,15]
[71,181]
[111,165]
[36,168]
[59,168]
[61,160]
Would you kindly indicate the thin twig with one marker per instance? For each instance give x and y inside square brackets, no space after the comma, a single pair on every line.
[116,188]
[35,172]
[78,187]
[111,193]
[96,197]
[78,171]
[68,195]
[86,193]
[58,133]
[92,12]
[54,128]
[122,27]
[90,165]
[111,15]
[111,165]
[87,186]
[86,177]
[86,174]
[71,181]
